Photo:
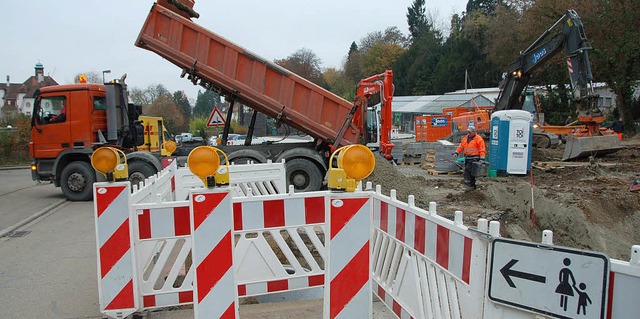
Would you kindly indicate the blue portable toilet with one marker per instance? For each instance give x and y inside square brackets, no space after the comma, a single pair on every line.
[510,146]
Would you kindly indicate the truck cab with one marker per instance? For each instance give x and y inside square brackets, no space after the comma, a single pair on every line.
[52,134]
[70,121]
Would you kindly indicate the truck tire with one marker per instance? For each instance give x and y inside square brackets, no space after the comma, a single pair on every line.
[76,181]
[139,171]
[246,156]
[303,175]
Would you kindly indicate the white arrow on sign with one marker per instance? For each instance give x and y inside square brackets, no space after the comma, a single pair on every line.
[216,118]
[550,280]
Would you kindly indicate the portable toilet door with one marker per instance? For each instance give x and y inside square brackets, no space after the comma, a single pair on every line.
[520,135]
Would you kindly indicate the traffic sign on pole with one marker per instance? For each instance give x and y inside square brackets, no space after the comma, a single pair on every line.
[216,118]
[550,280]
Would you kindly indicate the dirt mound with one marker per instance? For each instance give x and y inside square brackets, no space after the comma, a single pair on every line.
[586,204]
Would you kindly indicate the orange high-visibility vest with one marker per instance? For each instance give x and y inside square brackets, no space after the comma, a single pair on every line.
[473,148]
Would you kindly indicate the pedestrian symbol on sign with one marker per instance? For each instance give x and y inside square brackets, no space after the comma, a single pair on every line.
[566,289]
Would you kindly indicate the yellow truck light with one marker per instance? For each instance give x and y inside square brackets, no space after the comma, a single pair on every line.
[204,162]
[170,146]
[354,163]
[109,162]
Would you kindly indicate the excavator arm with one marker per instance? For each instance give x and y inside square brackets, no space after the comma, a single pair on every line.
[378,84]
[573,42]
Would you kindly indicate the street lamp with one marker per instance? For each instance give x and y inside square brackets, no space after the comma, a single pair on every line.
[103,73]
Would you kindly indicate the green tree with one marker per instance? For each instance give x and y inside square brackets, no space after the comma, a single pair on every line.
[339,84]
[460,56]
[615,37]
[183,102]
[484,6]
[416,18]
[380,57]
[205,102]
[352,65]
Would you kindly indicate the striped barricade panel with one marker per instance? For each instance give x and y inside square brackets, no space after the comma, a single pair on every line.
[163,254]
[624,289]
[279,242]
[391,303]
[261,179]
[118,295]
[157,188]
[348,279]
[424,262]
[215,294]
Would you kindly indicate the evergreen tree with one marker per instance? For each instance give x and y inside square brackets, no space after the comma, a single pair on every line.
[484,6]
[205,102]
[416,18]
[183,103]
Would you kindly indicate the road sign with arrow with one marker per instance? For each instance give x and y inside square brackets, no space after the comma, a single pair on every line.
[550,280]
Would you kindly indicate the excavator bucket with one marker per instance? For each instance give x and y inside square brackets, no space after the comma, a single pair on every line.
[579,147]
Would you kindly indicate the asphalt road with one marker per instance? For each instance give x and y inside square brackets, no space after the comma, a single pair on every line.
[21,197]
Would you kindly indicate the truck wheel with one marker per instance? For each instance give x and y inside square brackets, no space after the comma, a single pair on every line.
[303,175]
[139,171]
[246,156]
[76,181]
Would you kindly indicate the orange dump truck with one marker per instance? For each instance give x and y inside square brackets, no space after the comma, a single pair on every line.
[215,63]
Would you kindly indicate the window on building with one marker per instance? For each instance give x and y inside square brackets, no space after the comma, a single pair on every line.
[608,102]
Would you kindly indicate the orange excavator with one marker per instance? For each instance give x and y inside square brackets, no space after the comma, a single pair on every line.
[376,121]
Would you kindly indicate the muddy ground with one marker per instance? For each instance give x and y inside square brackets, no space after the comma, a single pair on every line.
[586,203]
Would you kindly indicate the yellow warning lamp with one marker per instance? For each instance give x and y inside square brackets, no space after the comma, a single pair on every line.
[111,163]
[169,146]
[82,78]
[204,162]
[354,163]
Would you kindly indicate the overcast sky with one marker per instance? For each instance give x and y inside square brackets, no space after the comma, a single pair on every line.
[73,36]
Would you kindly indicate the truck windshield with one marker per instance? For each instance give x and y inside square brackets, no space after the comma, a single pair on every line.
[372,126]
[50,110]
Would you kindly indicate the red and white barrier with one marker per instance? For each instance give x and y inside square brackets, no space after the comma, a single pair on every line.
[162,246]
[215,294]
[348,284]
[624,287]
[425,266]
[270,229]
[422,265]
[118,289]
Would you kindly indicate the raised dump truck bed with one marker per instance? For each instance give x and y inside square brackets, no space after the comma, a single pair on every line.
[248,78]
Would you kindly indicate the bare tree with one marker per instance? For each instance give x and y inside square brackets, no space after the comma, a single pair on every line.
[92,77]
[304,63]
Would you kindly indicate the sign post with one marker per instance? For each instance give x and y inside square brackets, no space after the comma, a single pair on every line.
[555,281]
[215,119]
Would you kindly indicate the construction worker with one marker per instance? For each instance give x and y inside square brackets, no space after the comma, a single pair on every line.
[473,149]
[618,128]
